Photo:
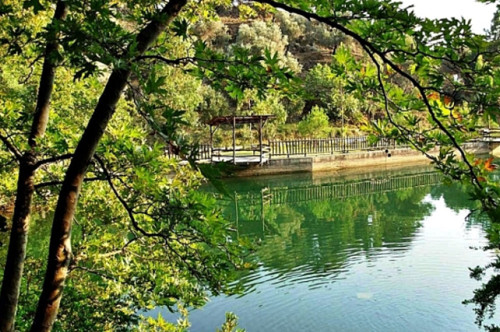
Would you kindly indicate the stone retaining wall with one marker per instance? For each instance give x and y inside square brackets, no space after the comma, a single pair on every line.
[336,162]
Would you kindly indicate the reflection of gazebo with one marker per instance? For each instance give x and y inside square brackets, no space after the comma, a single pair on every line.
[241,158]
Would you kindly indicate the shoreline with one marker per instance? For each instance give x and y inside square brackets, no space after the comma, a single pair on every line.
[355,162]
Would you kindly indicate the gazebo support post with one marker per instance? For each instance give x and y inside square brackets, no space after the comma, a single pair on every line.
[260,140]
[234,140]
[211,143]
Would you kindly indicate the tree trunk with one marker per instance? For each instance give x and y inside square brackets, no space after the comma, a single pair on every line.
[60,241]
[16,254]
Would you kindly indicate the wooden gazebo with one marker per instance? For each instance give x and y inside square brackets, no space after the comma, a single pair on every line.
[232,120]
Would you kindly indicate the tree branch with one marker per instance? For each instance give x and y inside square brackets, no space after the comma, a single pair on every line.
[53,160]
[95,272]
[179,61]
[370,46]
[389,115]
[122,201]
[59,182]
[121,250]
[11,147]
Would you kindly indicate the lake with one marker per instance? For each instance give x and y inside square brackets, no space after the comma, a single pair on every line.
[376,251]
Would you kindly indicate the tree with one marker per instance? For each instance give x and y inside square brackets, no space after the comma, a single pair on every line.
[329,89]
[28,164]
[315,123]
[260,36]
[494,31]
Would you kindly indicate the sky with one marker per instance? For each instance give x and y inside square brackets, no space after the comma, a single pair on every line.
[480,14]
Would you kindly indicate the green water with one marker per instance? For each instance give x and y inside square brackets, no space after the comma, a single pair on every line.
[379,251]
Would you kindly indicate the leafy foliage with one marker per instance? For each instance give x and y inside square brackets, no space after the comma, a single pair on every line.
[316,123]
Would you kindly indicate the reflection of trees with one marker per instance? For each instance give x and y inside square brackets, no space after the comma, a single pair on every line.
[332,230]
[321,235]
[283,220]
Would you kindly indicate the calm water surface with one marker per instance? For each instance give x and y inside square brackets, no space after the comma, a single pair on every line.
[386,251]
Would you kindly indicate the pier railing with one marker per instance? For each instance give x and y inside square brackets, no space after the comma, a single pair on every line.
[304,147]
[204,152]
[309,147]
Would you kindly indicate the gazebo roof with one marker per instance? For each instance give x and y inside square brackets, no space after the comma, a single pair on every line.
[218,120]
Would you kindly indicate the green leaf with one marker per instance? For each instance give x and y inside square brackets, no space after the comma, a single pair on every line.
[180,28]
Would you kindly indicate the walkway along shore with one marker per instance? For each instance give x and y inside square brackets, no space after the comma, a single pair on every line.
[351,160]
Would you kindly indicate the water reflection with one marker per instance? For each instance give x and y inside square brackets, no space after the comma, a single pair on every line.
[382,251]
[317,228]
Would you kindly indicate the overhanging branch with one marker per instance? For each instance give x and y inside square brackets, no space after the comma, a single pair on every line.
[367,45]
[124,203]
